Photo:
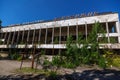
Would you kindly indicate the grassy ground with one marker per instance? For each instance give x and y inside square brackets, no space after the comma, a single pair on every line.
[28,70]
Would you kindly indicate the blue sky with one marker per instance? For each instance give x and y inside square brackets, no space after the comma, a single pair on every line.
[20,11]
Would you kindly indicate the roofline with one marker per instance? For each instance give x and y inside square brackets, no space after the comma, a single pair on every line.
[64,18]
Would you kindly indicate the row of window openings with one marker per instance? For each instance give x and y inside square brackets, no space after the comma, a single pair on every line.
[112,30]
[111,27]
[57,40]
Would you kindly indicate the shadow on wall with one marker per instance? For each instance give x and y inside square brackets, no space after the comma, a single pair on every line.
[107,74]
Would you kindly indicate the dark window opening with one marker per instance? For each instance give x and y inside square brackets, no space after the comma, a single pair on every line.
[112,27]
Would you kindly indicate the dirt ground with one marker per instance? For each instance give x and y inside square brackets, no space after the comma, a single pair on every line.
[8,66]
[81,73]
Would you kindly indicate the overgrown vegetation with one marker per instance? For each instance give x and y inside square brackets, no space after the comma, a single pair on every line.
[85,52]
[28,70]
[116,61]
[13,55]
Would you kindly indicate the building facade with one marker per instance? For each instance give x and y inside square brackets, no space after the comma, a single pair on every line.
[52,35]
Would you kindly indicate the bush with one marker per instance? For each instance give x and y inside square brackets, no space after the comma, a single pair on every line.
[15,56]
[56,61]
[102,62]
[19,58]
[108,55]
[69,65]
[46,62]
[116,61]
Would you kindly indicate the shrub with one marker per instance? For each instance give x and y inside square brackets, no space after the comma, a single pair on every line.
[108,55]
[56,61]
[69,65]
[116,61]
[15,56]
[46,62]
[19,58]
[102,62]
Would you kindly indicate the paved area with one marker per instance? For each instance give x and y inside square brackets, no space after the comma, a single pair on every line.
[8,66]
[82,73]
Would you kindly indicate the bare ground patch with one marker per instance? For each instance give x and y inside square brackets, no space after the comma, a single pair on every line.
[81,73]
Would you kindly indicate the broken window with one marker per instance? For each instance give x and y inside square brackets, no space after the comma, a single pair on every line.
[112,27]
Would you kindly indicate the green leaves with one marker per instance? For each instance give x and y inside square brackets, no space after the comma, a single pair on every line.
[83,51]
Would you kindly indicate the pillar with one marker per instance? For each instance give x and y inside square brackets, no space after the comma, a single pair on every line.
[60,36]
[33,39]
[46,36]
[86,30]
[13,37]
[68,30]
[8,38]
[118,30]
[28,36]
[60,39]
[107,32]
[53,40]
[5,36]
[53,35]
[39,36]
[76,32]
[23,35]
[18,37]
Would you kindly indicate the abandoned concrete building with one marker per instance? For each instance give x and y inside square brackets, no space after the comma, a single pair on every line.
[52,35]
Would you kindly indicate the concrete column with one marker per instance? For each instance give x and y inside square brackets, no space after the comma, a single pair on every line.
[60,36]
[53,40]
[5,36]
[118,31]
[46,36]
[118,25]
[59,39]
[86,30]
[28,36]
[18,35]
[33,39]
[107,32]
[39,36]
[9,38]
[13,37]
[53,35]
[76,32]
[68,31]
[23,33]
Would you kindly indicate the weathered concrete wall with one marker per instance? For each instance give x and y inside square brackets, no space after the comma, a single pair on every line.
[61,46]
[80,21]
[62,23]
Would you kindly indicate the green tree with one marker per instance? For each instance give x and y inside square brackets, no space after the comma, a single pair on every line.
[89,51]
[84,51]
